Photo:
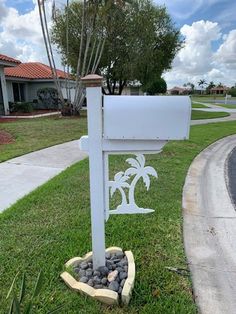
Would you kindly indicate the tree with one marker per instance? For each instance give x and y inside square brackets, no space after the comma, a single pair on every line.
[192,86]
[202,83]
[232,91]
[210,86]
[140,41]
[157,86]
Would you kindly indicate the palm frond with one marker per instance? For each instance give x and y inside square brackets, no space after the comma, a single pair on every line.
[151,171]
[133,162]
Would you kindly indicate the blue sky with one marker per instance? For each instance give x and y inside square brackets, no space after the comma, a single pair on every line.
[208,26]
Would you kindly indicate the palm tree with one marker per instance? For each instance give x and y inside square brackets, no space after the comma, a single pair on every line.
[202,83]
[139,171]
[118,184]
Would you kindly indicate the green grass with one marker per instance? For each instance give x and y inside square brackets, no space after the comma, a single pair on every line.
[35,134]
[198,115]
[195,105]
[226,106]
[52,224]
[207,98]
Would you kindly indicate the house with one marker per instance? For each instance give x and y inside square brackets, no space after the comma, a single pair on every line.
[5,61]
[24,81]
[219,90]
[179,91]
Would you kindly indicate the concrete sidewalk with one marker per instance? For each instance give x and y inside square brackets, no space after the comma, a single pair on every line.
[21,175]
[209,230]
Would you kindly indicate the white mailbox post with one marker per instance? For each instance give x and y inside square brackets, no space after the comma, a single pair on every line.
[124,125]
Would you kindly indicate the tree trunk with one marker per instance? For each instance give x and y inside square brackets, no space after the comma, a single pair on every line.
[109,86]
[121,86]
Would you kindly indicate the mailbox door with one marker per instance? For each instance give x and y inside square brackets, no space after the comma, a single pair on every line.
[147,117]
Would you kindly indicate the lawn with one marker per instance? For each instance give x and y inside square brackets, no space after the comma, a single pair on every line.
[52,224]
[195,105]
[198,115]
[34,134]
[227,106]
[209,98]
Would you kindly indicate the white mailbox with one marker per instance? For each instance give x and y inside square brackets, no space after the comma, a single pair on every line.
[146,117]
[126,124]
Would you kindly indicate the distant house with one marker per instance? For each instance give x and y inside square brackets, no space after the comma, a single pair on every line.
[220,90]
[178,91]
[23,81]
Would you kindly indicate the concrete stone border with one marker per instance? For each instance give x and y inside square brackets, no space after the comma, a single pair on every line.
[106,296]
[40,115]
[209,230]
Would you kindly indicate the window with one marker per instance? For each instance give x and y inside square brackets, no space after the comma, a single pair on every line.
[18,91]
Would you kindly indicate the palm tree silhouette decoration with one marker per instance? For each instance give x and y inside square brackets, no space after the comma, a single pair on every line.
[118,184]
[138,171]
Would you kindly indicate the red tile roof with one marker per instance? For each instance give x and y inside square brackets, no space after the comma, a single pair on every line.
[8,59]
[33,71]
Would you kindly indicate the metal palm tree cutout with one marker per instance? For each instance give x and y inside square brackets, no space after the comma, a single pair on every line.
[137,171]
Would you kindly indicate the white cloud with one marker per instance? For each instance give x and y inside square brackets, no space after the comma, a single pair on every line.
[226,53]
[197,60]
[21,35]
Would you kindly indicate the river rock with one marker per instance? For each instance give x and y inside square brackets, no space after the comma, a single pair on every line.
[112,276]
[114,286]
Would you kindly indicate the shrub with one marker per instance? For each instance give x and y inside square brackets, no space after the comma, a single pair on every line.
[232,92]
[155,86]
[23,107]
[48,98]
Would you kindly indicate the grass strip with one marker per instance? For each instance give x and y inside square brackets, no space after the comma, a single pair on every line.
[199,114]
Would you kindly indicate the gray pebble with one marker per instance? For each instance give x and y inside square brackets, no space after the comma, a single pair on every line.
[91,283]
[89,273]
[122,283]
[119,255]
[114,286]
[120,290]
[109,263]
[98,287]
[113,267]
[83,279]
[117,260]
[119,264]
[82,273]
[104,281]
[103,270]
[123,275]
[90,265]
[84,265]
[124,262]
[97,273]
[126,268]
[96,280]
[76,270]
[119,269]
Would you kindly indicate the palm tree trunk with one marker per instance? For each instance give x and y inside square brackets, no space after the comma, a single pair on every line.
[124,199]
[131,190]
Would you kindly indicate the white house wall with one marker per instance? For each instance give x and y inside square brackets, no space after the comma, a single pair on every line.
[34,87]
